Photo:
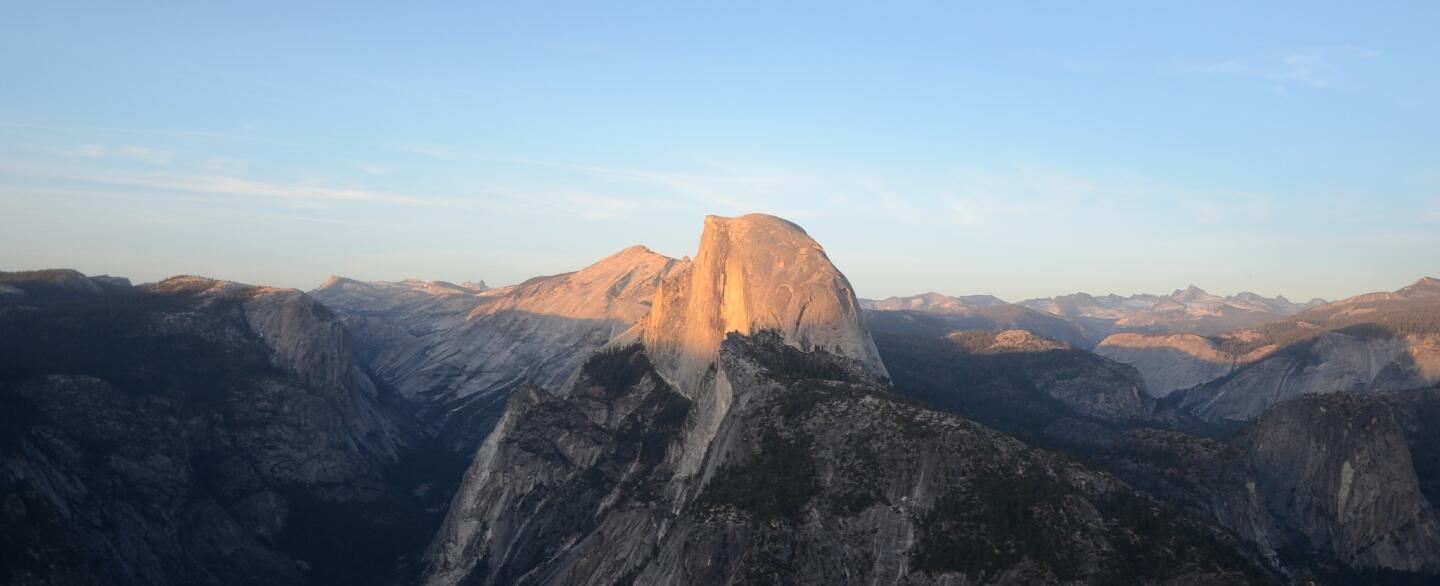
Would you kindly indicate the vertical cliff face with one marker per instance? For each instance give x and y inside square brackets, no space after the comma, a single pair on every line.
[458,351]
[815,477]
[753,273]
[1331,478]
[1169,362]
[1338,469]
[195,432]
[739,435]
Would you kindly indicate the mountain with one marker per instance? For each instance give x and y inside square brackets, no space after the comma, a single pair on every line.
[1083,320]
[194,432]
[1184,310]
[1170,362]
[743,432]
[815,476]
[933,303]
[23,288]
[1020,383]
[933,313]
[459,350]
[1343,484]
[754,273]
[1368,343]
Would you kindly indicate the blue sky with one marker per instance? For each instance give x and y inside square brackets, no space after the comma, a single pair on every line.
[1290,148]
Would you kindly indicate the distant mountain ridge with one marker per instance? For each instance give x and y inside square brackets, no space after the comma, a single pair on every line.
[1384,341]
[1184,310]
[1089,319]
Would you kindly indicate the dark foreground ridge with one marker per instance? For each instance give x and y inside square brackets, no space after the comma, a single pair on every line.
[818,475]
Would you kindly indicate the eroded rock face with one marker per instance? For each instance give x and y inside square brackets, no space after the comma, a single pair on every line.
[1331,477]
[458,351]
[195,432]
[1210,477]
[1169,362]
[753,273]
[1334,361]
[1338,470]
[1375,342]
[815,476]
[743,434]
[1021,383]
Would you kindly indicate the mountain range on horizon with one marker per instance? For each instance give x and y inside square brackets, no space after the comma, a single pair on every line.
[735,416]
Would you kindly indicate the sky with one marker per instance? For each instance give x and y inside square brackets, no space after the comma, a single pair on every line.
[1015,149]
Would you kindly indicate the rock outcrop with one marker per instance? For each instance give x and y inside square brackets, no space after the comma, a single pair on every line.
[22,288]
[195,432]
[816,476]
[743,434]
[1021,383]
[1335,479]
[1357,360]
[1169,362]
[457,351]
[1369,343]
[753,273]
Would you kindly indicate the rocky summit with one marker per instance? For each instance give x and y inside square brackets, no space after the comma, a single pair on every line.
[753,273]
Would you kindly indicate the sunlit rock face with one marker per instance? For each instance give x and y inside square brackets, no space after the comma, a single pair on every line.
[727,446]
[1386,341]
[1169,362]
[459,350]
[753,273]
[1333,361]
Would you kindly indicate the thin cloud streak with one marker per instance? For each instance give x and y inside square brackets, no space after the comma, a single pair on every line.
[92,151]
[225,186]
[1321,67]
[739,192]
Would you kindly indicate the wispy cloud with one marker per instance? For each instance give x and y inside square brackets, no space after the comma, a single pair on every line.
[93,151]
[1319,67]
[592,206]
[730,188]
[222,185]
[733,191]
[428,150]
[169,132]
[371,168]
[977,196]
